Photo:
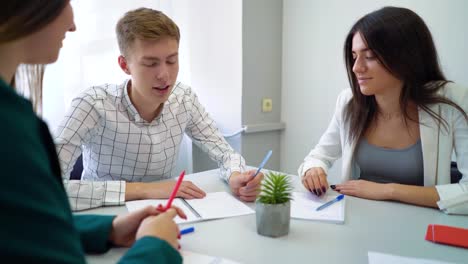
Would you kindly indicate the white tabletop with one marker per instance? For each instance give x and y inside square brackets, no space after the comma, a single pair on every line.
[386,227]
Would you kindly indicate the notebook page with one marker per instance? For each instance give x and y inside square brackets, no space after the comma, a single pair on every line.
[139,204]
[219,205]
[303,206]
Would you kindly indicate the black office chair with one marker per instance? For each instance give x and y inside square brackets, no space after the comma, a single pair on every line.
[75,174]
[455,174]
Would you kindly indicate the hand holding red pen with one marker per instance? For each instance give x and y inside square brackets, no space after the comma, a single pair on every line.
[176,188]
[173,194]
[161,226]
[125,227]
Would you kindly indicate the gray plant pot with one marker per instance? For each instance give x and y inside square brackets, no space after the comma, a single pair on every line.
[273,219]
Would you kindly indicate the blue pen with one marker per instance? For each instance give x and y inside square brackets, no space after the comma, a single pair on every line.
[325,205]
[187,230]
[265,160]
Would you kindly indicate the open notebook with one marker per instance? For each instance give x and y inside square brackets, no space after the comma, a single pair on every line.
[214,205]
[303,206]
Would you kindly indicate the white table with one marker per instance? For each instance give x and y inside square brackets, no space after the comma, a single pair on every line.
[386,227]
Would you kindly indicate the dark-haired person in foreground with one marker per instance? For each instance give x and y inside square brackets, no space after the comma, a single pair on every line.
[37,225]
[397,127]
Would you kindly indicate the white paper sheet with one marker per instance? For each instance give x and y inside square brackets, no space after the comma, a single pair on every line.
[139,204]
[214,205]
[219,205]
[304,204]
[196,258]
[381,258]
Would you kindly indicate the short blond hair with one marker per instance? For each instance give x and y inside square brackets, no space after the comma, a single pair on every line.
[144,24]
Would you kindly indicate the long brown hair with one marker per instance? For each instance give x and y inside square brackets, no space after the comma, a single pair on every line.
[403,44]
[19,19]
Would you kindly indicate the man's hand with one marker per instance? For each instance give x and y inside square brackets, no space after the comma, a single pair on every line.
[161,190]
[245,185]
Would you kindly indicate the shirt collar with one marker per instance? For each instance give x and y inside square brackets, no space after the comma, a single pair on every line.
[131,108]
[128,103]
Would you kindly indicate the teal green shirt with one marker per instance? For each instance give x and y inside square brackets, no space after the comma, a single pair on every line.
[36,222]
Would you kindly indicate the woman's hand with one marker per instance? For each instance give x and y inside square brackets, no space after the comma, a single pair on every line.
[125,227]
[161,226]
[315,180]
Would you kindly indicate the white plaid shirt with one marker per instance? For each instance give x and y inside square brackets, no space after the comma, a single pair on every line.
[118,145]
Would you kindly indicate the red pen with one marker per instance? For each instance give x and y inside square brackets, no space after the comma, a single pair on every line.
[176,188]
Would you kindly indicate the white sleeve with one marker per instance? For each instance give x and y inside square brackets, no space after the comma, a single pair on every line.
[453,198]
[91,194]
[460,135]
[76,130]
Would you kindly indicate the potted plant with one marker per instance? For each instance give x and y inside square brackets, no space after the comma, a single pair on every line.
[273,207]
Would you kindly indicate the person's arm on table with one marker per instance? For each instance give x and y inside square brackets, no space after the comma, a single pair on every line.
[417,195]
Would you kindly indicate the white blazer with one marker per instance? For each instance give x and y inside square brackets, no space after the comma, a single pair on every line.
[437,143]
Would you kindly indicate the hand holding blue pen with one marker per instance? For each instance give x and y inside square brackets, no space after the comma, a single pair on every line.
[264,161]
[325,205]
[246,185]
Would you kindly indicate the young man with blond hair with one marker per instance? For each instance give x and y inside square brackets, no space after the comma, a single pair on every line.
[129,134]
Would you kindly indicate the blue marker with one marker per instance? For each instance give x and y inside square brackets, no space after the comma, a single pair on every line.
[187,230]
[265,160]
[325,205]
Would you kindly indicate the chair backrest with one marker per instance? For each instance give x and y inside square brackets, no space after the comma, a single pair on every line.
[455,174]
[75,174]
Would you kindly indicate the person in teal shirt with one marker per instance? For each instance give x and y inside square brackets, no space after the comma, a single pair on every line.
[37,225]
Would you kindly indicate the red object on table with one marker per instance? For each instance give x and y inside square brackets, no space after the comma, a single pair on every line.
[450,235]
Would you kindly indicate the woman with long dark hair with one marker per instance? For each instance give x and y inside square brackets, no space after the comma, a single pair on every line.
[36,223]
[398,126]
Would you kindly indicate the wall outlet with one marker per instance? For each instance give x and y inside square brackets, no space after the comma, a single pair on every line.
[267,105]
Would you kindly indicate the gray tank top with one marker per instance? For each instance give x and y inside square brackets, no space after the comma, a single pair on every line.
[384,165]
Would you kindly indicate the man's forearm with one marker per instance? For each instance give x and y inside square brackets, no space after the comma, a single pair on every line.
[134,191]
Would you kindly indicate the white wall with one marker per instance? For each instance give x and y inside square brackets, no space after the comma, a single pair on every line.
[215,29]
[314,72]
[216,67]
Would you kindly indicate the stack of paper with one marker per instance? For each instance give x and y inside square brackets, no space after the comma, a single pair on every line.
[304,205]
[196,258]
[381,258]
[214,205]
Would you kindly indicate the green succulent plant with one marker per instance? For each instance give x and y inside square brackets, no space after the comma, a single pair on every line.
[276,189]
